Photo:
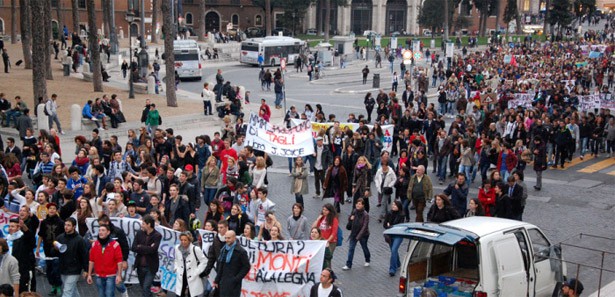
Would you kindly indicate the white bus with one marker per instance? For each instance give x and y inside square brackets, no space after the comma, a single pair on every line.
[188,62]
[273,48]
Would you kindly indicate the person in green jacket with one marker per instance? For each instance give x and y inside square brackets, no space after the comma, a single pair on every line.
[153,119]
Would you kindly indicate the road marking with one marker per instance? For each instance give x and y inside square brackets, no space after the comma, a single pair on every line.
[598,166]
[612,173]
[575,161]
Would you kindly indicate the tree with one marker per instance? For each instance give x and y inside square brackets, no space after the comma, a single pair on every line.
[560,15]
[430,16]
[26,32]
[446,20]
[106,15]
[201,31]
[168,29]
[13,21]
[48,38]
[268,19]
[510,12]
[584,8]
[75,8]
[39,83]
[59,15]
[94,48]
[155,9]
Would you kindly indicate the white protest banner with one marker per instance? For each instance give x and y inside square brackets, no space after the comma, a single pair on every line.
[387,130]
[523,100]
[279,140]
[589,102]
[5,217]
[279,268]
[166,251]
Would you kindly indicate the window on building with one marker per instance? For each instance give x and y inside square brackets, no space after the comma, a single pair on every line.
[1,26]
[258,20]
[526,5]
[235,20]
[211,1]
[81,4]
[279,19]
[188,18]
[54,3]
[188,1]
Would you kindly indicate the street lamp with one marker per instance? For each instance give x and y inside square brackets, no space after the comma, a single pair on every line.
[130,18]
[294,16]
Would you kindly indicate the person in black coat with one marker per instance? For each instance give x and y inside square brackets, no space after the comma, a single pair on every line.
[177,206]
[231,267]
[392,218]
[540,160]
[503,207]
[75,259]
[442,211]
[23,247]
[515,192]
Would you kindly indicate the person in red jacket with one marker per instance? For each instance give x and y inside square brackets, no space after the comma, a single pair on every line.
[486,197]
[507,161]
[106,261]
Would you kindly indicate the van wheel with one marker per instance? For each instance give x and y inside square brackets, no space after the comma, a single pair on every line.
[272,63]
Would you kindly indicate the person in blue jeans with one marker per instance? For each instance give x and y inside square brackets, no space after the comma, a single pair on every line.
[145,246]
[359,232]
[106,260]
[394,217]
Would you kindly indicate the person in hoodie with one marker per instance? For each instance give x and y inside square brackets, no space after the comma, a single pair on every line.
[51,227]
[74,261]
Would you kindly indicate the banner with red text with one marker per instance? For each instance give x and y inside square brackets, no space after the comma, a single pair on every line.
[286,268]
[387,131]
[279,140]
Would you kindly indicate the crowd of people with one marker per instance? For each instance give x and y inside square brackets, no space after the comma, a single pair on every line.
[166,180]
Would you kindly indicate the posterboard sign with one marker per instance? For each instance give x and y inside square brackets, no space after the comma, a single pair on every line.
[279,140]
[279,268]
[589,102]
[166,251]
[387,130]
[523,100]
[489,98]
[450,49]
[607,101]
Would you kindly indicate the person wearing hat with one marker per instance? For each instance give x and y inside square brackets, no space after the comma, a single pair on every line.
[572,288]
[51,227]
[132,210]
[540,160]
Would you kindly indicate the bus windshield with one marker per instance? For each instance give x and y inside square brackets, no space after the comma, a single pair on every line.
[249,47]
[186,57]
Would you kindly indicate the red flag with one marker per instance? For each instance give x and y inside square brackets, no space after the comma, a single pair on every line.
[513,61]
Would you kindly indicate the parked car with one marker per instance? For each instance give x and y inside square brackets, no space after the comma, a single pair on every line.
[311,31]
[479,256]
[254,32]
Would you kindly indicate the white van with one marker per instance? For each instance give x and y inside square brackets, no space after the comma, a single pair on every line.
[187,59]
[479,257]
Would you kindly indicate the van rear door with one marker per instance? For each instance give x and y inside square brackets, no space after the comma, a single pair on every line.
[431,232]
[512,275]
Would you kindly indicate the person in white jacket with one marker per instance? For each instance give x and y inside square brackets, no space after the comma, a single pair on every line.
[385,180]
[207,96]
[189,263]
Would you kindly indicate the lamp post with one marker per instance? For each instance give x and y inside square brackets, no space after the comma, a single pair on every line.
[130,18]
[294,16]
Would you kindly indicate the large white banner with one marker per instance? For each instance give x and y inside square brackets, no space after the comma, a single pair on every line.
[166,251]
[279,140]
[387,130]
[279,268]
